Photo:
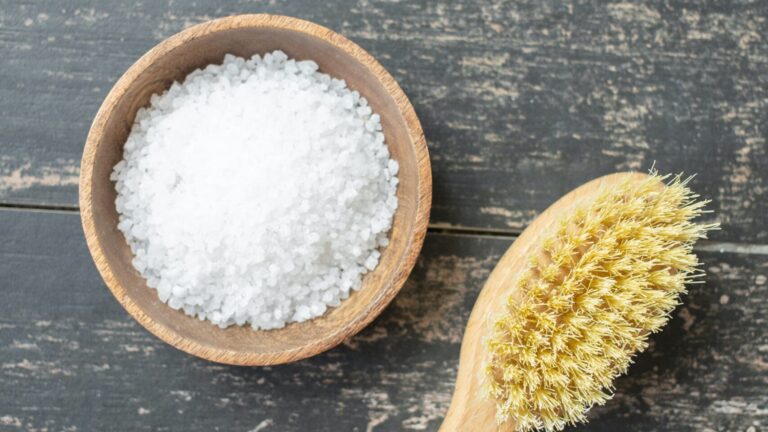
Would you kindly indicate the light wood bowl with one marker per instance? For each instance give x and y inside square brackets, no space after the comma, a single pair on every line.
[197,47]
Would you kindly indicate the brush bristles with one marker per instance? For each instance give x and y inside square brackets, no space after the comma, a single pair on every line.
[606,279]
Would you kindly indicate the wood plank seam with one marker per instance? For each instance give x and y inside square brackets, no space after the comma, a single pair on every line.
[702,246]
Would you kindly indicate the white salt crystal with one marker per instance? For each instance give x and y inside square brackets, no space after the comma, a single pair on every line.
[257,191]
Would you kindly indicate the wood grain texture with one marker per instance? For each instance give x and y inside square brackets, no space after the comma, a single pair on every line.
[520,100]
[72,359]
[171,60]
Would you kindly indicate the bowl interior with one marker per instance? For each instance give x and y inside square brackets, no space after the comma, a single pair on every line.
[378,286]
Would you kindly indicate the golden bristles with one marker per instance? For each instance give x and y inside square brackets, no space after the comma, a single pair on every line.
[608,277]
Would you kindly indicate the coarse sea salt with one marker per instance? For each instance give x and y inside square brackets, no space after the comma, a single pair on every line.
[257,191]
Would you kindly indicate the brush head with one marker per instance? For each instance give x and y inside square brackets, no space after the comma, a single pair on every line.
[596,289]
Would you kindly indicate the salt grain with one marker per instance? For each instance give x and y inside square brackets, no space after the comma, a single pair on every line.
[257,191]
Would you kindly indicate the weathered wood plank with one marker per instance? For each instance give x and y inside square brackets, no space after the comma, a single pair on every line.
[520,101]
[71,358]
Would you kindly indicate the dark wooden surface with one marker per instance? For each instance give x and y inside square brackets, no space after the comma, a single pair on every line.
[72,358]
[520,101]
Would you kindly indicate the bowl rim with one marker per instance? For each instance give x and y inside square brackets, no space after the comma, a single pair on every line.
[401,270]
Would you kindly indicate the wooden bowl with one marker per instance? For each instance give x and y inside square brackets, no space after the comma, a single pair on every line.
[197,47]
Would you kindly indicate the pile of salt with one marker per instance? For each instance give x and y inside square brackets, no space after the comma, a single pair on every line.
[257,191]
